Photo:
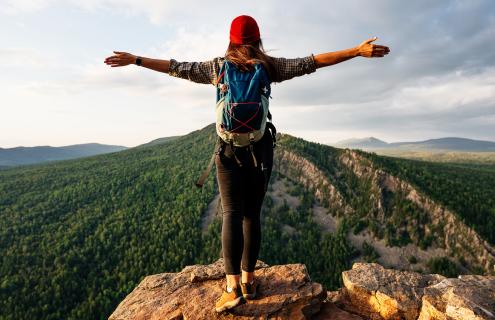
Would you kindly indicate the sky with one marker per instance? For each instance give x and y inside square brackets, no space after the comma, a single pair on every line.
[55,89]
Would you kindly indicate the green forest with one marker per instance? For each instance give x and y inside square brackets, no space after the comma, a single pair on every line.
[77,236]
[467,189]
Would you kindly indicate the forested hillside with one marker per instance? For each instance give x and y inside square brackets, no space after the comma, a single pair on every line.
[393,210]
[469,190]
[77,236]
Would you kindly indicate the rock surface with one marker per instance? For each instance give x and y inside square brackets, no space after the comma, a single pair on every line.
[379,293]
[287,292]
[468,297]
[331,309]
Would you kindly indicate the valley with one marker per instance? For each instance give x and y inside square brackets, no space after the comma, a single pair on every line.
[78,235]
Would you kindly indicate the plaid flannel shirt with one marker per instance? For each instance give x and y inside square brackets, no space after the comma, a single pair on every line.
[207,71]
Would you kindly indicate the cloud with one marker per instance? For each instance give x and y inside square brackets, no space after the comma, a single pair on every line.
[456,104]
[437,80]
[22,57]
[193,44]
[14,7]
[442,94]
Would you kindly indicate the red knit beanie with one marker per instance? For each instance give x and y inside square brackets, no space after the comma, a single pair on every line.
[244,30]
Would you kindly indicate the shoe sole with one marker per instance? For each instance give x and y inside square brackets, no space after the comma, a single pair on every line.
[229,305]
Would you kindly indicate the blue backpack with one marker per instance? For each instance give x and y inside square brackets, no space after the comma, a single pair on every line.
[242,104]
[241,110]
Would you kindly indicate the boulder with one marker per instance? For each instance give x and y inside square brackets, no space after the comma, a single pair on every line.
[466,297]
[374,292]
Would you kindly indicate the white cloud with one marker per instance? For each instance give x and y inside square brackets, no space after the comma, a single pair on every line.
[437,80]
[456,104]
[440,94]
[193,44]
[13,7]
[23,57]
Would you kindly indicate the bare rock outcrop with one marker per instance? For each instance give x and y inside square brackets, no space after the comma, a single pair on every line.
[370,291]
[311,177]
[378,293]
[285,292]
[468,297]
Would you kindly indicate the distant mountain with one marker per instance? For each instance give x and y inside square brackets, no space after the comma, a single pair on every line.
[450,143]
[159,141]
[30,155]
[362,143]
[445,144]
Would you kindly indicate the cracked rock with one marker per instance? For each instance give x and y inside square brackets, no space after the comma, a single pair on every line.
[466,297]
[378,293]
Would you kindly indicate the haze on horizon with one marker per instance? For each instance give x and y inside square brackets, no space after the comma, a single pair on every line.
[438,80]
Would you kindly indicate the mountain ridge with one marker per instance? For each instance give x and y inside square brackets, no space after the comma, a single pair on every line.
[446,143]
[31,155]
[459,237]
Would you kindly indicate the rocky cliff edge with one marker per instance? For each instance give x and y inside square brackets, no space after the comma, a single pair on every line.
[287,292]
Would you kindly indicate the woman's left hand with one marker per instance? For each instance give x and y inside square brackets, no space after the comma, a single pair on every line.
[369,50]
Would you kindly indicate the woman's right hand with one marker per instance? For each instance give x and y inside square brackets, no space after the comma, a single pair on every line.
[120,59]
[368,50]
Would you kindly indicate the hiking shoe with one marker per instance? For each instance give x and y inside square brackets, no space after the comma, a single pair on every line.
[248,290]
[229,299]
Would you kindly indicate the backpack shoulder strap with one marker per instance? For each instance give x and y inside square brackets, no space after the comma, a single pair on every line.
[221,72]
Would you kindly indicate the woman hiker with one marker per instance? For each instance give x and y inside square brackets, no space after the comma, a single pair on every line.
[243,172]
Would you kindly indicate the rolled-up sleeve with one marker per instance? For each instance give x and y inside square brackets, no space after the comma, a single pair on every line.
[200,72]
[290,68]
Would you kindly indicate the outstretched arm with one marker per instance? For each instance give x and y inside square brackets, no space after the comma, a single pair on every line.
[200,72]
[365,49]
[121,59]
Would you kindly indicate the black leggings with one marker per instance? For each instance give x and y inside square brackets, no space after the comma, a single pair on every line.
[242,190]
